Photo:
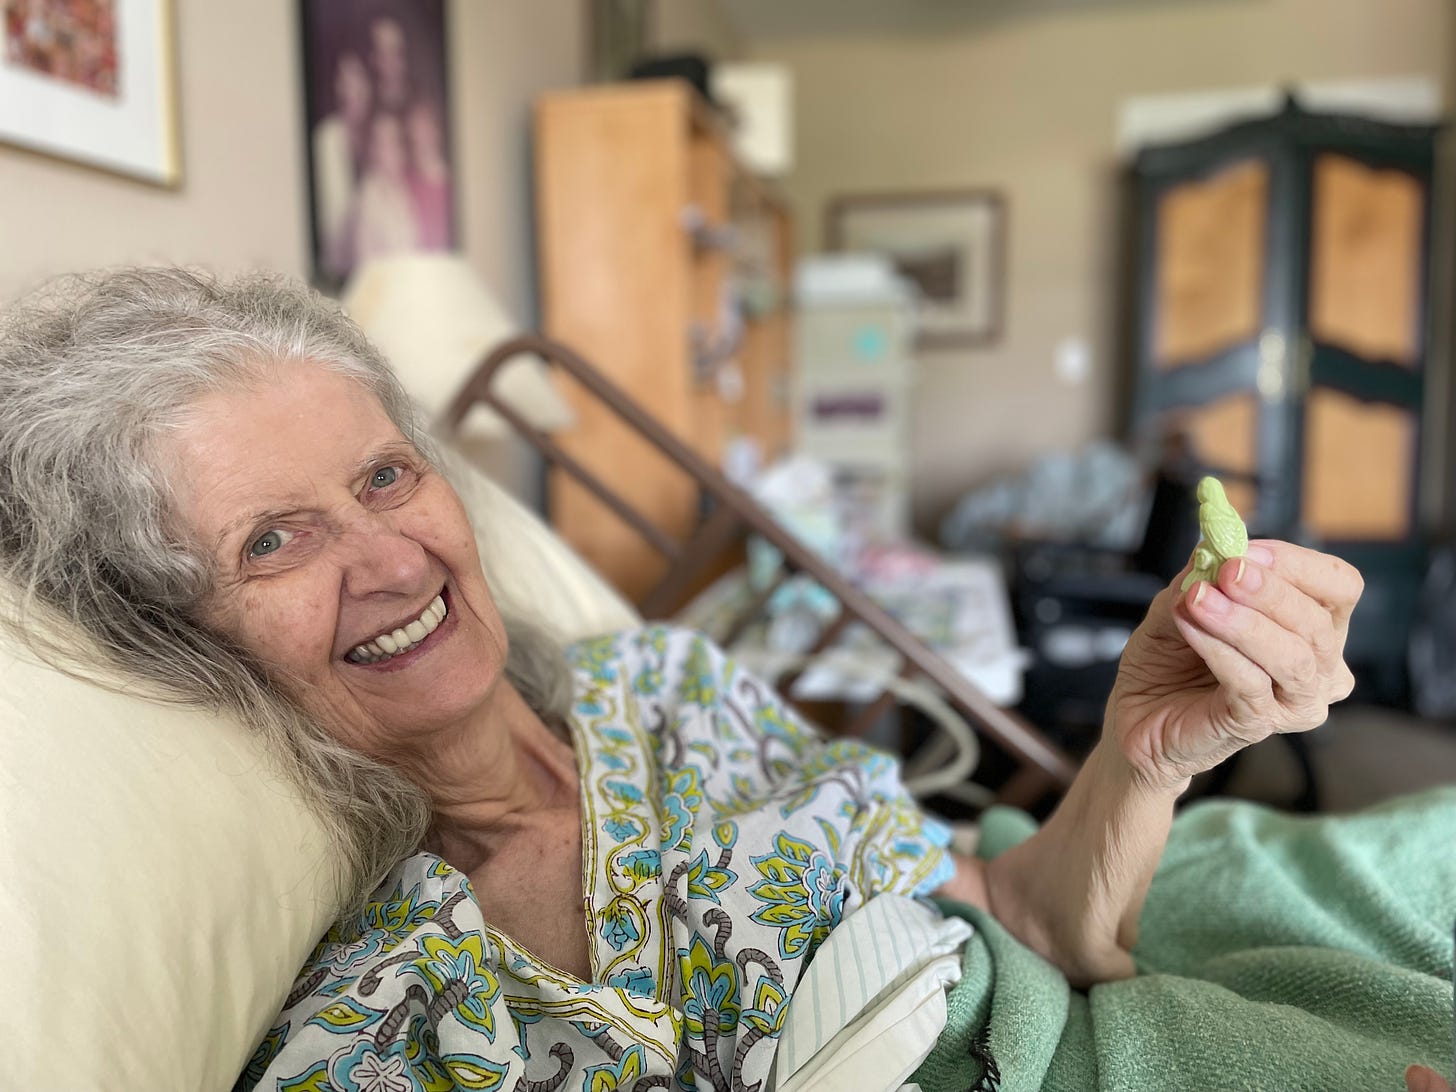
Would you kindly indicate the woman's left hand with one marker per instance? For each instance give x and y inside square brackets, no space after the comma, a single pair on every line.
[1226,664]
[1205,674]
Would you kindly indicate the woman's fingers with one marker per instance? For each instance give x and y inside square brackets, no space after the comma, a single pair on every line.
[1248,687]
[1311,623]
[1269,634]
[1332,583]
[1420,1079]
[1282,632]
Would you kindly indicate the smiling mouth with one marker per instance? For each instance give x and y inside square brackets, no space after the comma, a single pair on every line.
[398,643]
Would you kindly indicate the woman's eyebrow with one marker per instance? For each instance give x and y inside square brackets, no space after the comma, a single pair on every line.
[245,522]
[391,450]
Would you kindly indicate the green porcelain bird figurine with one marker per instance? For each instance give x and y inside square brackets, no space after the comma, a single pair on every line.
[1224,534]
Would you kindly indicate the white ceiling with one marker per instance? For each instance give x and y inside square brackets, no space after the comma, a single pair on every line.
[760,19]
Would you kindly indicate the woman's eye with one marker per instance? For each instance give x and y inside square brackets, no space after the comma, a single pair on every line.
[269,542]
[384,477]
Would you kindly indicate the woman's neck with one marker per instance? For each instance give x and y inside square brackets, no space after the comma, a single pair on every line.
[489,777]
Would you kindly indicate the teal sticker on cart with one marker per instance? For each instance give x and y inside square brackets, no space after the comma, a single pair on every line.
[870,344]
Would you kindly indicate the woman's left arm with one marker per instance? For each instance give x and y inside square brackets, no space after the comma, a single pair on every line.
[1068,890]
[1258,652]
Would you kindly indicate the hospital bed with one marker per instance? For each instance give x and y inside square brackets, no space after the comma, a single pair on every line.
[732,515]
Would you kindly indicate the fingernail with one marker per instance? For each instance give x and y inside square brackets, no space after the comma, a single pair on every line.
[1210,599]
[1199,587]
[1249,577]
[1260,554]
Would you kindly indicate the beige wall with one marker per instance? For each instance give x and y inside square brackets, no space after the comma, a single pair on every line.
[504,53]
[696,25]
[243,199]
[1028,105]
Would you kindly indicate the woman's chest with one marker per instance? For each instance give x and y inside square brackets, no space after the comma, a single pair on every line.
[531,889]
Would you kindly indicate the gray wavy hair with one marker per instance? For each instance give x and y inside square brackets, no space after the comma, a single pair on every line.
[93,370]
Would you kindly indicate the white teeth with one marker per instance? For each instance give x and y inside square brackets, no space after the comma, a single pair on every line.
[387,645]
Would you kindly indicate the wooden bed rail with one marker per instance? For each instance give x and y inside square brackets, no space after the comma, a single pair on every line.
[734,514]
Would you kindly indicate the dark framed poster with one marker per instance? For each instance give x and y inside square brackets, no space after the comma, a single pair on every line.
[381,172]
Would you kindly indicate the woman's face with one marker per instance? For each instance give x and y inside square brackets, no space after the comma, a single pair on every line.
[333,539]
[351,88]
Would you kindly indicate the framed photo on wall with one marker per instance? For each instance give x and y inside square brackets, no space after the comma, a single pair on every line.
[950,244]
[92,81]
[381,172]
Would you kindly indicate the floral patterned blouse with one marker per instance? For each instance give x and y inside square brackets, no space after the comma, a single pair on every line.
[722,840]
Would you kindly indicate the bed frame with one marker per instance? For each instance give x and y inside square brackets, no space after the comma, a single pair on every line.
[731,516]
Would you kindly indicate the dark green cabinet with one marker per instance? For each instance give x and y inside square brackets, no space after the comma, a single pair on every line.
[1281,334]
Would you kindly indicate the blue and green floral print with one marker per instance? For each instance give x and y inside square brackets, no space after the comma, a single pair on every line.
[723,839]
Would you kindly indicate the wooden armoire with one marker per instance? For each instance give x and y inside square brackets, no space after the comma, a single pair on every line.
[1281,333]
[665,262]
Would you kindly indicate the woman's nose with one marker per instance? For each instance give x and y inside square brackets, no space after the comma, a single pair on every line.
[377,558]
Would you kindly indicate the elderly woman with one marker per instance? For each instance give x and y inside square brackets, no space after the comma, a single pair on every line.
[594,869]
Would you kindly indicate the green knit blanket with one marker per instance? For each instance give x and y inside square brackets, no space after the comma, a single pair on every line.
[1275,952]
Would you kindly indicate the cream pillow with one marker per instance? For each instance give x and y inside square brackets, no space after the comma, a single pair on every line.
[531,572]
[162,886]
